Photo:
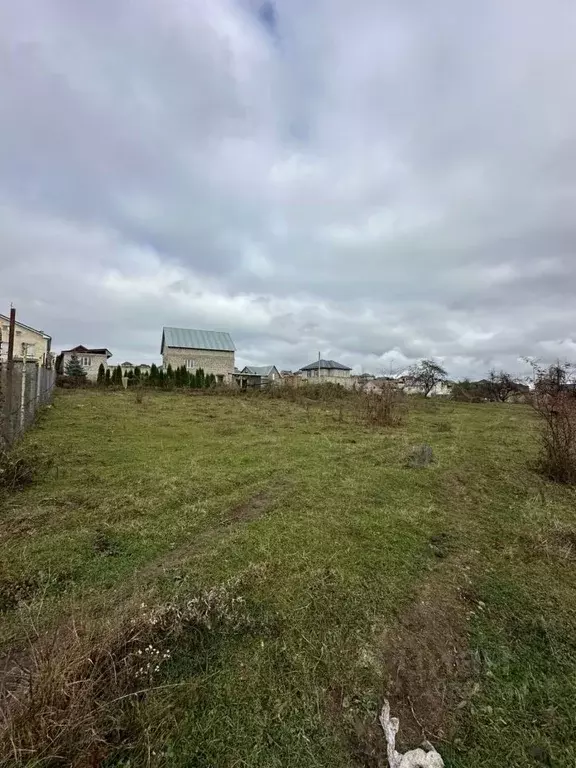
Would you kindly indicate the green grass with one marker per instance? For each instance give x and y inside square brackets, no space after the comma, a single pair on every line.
[330,532]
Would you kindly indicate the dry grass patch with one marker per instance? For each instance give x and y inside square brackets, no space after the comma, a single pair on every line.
[74,696]
[248,510]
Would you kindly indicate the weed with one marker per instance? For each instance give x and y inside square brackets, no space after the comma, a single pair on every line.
[557,411]
[420,457]
[75,701]
[104,544]
[385,408]
[19,468]
[13,591]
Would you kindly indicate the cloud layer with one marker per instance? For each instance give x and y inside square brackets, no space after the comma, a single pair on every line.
[375,181]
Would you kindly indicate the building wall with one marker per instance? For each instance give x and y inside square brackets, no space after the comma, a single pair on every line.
[275,376]
[91,368]
[326,373]
[343,381]
[37,344]
[216,361]
[442,389]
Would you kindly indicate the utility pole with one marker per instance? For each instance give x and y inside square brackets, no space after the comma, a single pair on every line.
[10,372]
[318,366]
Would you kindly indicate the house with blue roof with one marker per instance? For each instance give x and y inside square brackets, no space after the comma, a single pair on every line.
[213,351]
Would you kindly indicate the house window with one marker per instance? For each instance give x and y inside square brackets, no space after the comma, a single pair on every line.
[220,379]
[86,361]
[190,363]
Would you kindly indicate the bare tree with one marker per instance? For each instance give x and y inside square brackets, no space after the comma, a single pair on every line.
[557,411]
[555,378]
[554,402]
[502,386]
[427,374]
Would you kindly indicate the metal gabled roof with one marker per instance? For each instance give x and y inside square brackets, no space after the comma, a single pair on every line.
[259,370]
[193,338]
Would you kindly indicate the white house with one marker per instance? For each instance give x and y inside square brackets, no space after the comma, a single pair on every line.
[441,389]
[89,359]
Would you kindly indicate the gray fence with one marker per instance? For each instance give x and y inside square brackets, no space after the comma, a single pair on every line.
[32,387]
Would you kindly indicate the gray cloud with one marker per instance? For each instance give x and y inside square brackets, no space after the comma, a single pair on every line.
[377,181]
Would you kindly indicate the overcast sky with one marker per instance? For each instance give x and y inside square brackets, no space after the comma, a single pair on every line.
[378,180]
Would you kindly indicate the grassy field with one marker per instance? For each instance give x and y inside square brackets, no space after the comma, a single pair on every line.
[331,575]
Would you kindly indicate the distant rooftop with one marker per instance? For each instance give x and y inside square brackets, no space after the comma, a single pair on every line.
[259,370]
[85,351]
[325,364]
[193,338]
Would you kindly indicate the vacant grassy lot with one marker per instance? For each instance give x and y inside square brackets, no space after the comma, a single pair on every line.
[338,575]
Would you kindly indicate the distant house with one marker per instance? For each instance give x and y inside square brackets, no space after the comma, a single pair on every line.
[131,367]
[213,351]
[126,367]
[407,385]
[90,360]
[37,342]
[325,369]
[374,385]
[268,373]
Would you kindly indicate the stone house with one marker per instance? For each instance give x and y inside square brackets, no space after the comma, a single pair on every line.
[90,360]
[37,342]
[323,371]
[269,374]
[213,351]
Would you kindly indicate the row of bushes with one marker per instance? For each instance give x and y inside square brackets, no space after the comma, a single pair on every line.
[171,378]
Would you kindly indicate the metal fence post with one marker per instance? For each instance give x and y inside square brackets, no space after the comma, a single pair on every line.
[39,383]
[23,389]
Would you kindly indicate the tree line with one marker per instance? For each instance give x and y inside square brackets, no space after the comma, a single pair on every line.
[179,378]
[499,386]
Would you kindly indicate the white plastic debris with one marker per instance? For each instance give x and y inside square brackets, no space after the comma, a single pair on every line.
[415,758]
